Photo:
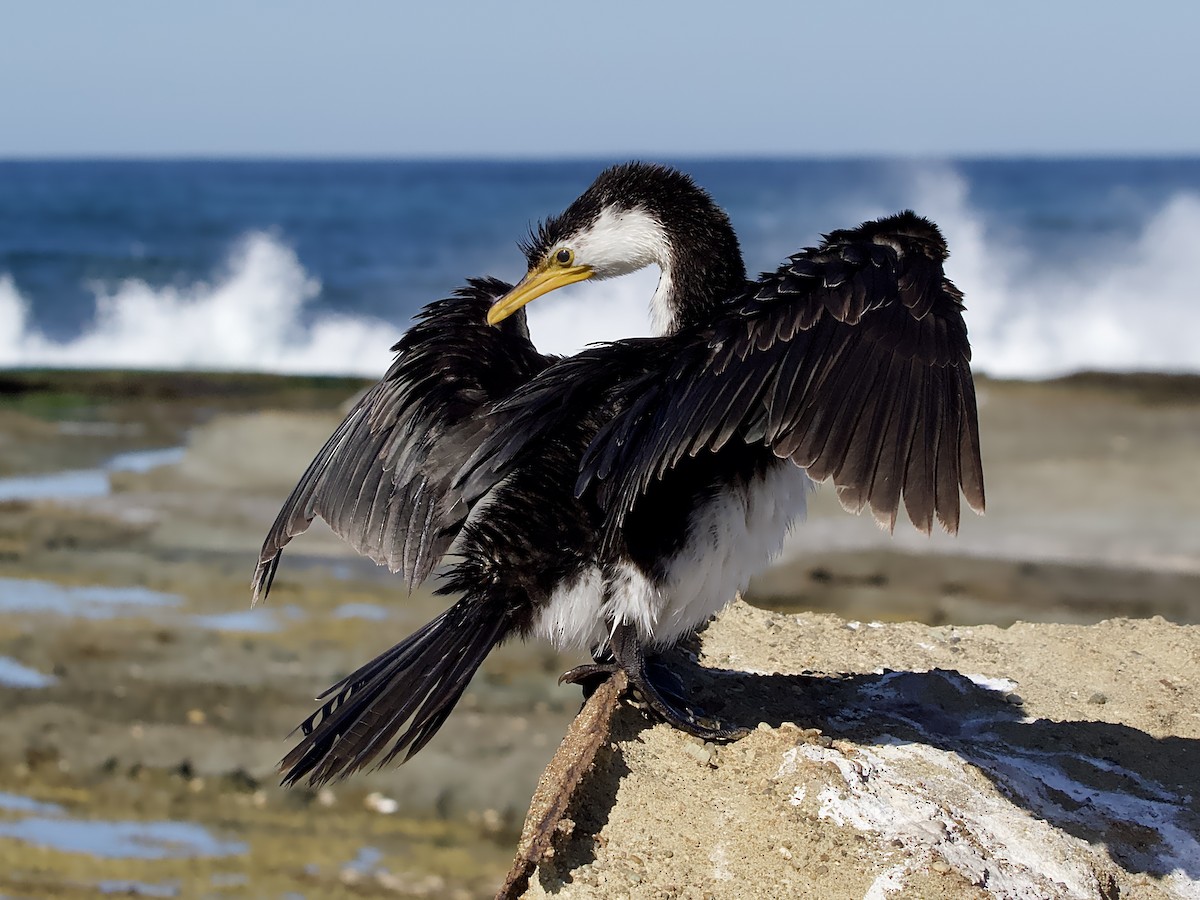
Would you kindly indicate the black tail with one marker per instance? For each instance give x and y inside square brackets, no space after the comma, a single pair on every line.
[416,682]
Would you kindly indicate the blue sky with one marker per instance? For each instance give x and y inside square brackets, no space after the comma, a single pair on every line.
[700,78]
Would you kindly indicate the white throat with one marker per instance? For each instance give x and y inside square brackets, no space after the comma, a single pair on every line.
[621,241]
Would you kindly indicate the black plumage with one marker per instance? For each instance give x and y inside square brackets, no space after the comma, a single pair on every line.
[852,361]
[615,499]
[382,480]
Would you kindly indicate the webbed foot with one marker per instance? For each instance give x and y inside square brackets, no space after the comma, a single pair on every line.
[659,687]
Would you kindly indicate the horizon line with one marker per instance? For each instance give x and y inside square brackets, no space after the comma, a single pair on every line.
[1031,156]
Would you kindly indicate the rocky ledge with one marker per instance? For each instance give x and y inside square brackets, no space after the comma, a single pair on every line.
[893,761]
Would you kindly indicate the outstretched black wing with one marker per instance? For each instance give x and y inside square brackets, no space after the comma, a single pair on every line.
[383,480]
[852,360]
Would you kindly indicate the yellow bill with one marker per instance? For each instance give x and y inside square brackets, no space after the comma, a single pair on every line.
[533,285]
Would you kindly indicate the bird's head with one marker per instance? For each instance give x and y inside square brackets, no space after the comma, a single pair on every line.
[632,216]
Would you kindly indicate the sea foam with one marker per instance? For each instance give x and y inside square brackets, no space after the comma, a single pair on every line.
[251,318]
[1133,307]
[1136,309]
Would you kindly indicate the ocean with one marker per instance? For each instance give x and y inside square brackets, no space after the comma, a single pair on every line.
[318,267]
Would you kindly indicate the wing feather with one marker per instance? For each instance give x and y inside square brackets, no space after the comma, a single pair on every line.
[384,479]
[852,360]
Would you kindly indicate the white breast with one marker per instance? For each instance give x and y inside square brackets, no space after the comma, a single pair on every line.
[731,539]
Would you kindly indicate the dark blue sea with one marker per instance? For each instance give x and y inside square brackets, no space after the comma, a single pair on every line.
[318,266]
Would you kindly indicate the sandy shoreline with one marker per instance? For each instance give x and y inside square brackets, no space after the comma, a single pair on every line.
[160,712]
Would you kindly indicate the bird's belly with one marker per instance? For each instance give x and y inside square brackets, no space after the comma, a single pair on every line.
[574,617]
[730,539]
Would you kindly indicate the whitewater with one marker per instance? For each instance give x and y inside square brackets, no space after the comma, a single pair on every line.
[1129,307]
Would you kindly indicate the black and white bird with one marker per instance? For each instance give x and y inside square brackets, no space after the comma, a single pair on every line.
[615,500]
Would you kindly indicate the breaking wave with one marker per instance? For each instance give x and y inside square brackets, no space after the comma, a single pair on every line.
[1136,308]
[251,319]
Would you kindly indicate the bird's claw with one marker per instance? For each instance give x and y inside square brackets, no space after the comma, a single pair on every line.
[661,689]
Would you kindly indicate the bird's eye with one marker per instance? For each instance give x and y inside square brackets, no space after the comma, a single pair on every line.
[564,257]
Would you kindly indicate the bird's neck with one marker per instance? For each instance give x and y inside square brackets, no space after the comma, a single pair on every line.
[663,314]
[702,271]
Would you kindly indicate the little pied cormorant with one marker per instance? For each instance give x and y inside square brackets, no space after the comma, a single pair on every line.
[615,500]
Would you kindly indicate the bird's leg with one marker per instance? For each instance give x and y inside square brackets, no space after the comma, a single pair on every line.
[666,699]
[661,689]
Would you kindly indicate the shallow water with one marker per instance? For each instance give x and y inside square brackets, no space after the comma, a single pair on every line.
[70,485]
[120,840]
[28,595]
[79,484]
[370,611]
[258,621]
[366,862]
[48,825]
[124,887]
[14,674]
[145,460]
[22,804]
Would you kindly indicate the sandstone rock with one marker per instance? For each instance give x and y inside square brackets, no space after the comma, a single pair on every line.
[924,762]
